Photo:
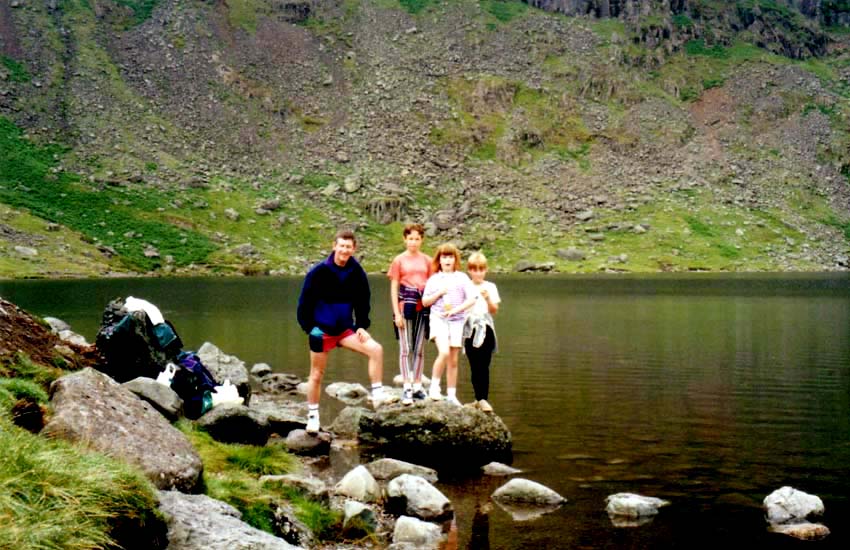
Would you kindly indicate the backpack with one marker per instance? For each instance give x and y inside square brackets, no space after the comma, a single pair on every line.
[194,384]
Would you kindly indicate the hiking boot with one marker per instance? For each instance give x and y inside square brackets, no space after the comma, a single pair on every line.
[452,400]
[485,406]
[312,424]
[407,397]
[419,395]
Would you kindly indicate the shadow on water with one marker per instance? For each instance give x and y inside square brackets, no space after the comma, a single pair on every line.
[710,391]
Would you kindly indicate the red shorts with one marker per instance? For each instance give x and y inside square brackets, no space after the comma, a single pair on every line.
[327,342]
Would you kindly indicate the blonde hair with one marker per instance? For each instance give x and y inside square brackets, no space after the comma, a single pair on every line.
[476,258]
[445,249]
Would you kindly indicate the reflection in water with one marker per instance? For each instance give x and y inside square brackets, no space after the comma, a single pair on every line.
[708,391]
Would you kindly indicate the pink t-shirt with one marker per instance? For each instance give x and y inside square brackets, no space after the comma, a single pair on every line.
[460,289]
[411,270]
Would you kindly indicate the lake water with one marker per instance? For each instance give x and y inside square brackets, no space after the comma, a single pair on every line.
[710,391]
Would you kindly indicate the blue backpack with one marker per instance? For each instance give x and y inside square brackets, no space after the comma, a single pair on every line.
[194,384]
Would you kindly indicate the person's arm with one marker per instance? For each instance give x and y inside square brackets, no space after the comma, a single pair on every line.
[492,298]
[307,304]
[429,296]
[398,318]
[362,301]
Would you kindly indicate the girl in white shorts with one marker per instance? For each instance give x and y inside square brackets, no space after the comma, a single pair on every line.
[449,293]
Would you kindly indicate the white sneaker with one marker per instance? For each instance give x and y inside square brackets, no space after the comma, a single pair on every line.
[485,406]
[312,424]
[452,400]
[382,398]
[434,394]
[407,397]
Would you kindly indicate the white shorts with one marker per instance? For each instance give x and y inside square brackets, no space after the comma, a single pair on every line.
[447,330]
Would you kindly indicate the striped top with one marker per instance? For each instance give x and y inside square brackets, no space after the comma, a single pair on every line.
[460,289]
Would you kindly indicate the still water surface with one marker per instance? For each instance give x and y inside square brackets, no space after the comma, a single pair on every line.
[709,391]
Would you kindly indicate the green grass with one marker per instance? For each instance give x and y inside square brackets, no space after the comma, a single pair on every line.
[20,366]
[504,10]
[28,182]
[415,6]
[17,71]
[142,9]
[55,495]
[231,474]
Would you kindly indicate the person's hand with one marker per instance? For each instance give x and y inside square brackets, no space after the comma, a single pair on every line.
[485,294]
[398,320]
[362,335]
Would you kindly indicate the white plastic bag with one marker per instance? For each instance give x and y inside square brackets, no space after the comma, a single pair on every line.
[167,375]
[226,394]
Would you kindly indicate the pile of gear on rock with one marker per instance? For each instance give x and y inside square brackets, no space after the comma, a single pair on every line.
[136,340]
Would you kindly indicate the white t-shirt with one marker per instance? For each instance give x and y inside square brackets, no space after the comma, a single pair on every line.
[479,309]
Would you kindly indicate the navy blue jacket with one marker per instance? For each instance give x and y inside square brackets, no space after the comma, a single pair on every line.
[334,298]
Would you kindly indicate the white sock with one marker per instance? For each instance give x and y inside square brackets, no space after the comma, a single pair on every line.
[406,386]
[417,386]
[451,392]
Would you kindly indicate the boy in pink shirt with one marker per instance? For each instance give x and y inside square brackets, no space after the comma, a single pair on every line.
[408,274]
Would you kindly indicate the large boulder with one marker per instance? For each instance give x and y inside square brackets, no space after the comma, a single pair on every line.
[90,407]
[417,533]
[226,367]
[198,522]
[438,434]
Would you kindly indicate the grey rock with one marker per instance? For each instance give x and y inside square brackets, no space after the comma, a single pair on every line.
[347,422]
[411,495]
[631,505]
[198,522]
[260,370]
[437,434]
[232,214]
[72,337]
[389,468]
[282,415]
[277,382]
[236,424]
[788,505]
[358,519]
[310,485]
[26,251]
[523,266]
[359,485]
[161,397]
[301,443]
[525,491]
[418,533]
[584,216]
[226,367]
[499,469]
[571,254]
[91,407]
[347,392]
[57,325]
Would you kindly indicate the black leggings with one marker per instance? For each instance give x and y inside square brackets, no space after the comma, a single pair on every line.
[479,363]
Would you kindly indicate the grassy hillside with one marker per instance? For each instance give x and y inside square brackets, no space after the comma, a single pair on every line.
[166,137]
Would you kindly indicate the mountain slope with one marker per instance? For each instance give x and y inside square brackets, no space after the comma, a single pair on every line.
[236,136]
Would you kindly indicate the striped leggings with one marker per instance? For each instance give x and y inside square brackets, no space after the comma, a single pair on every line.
[411,347]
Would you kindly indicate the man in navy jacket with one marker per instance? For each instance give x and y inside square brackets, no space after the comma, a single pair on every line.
[333,310]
